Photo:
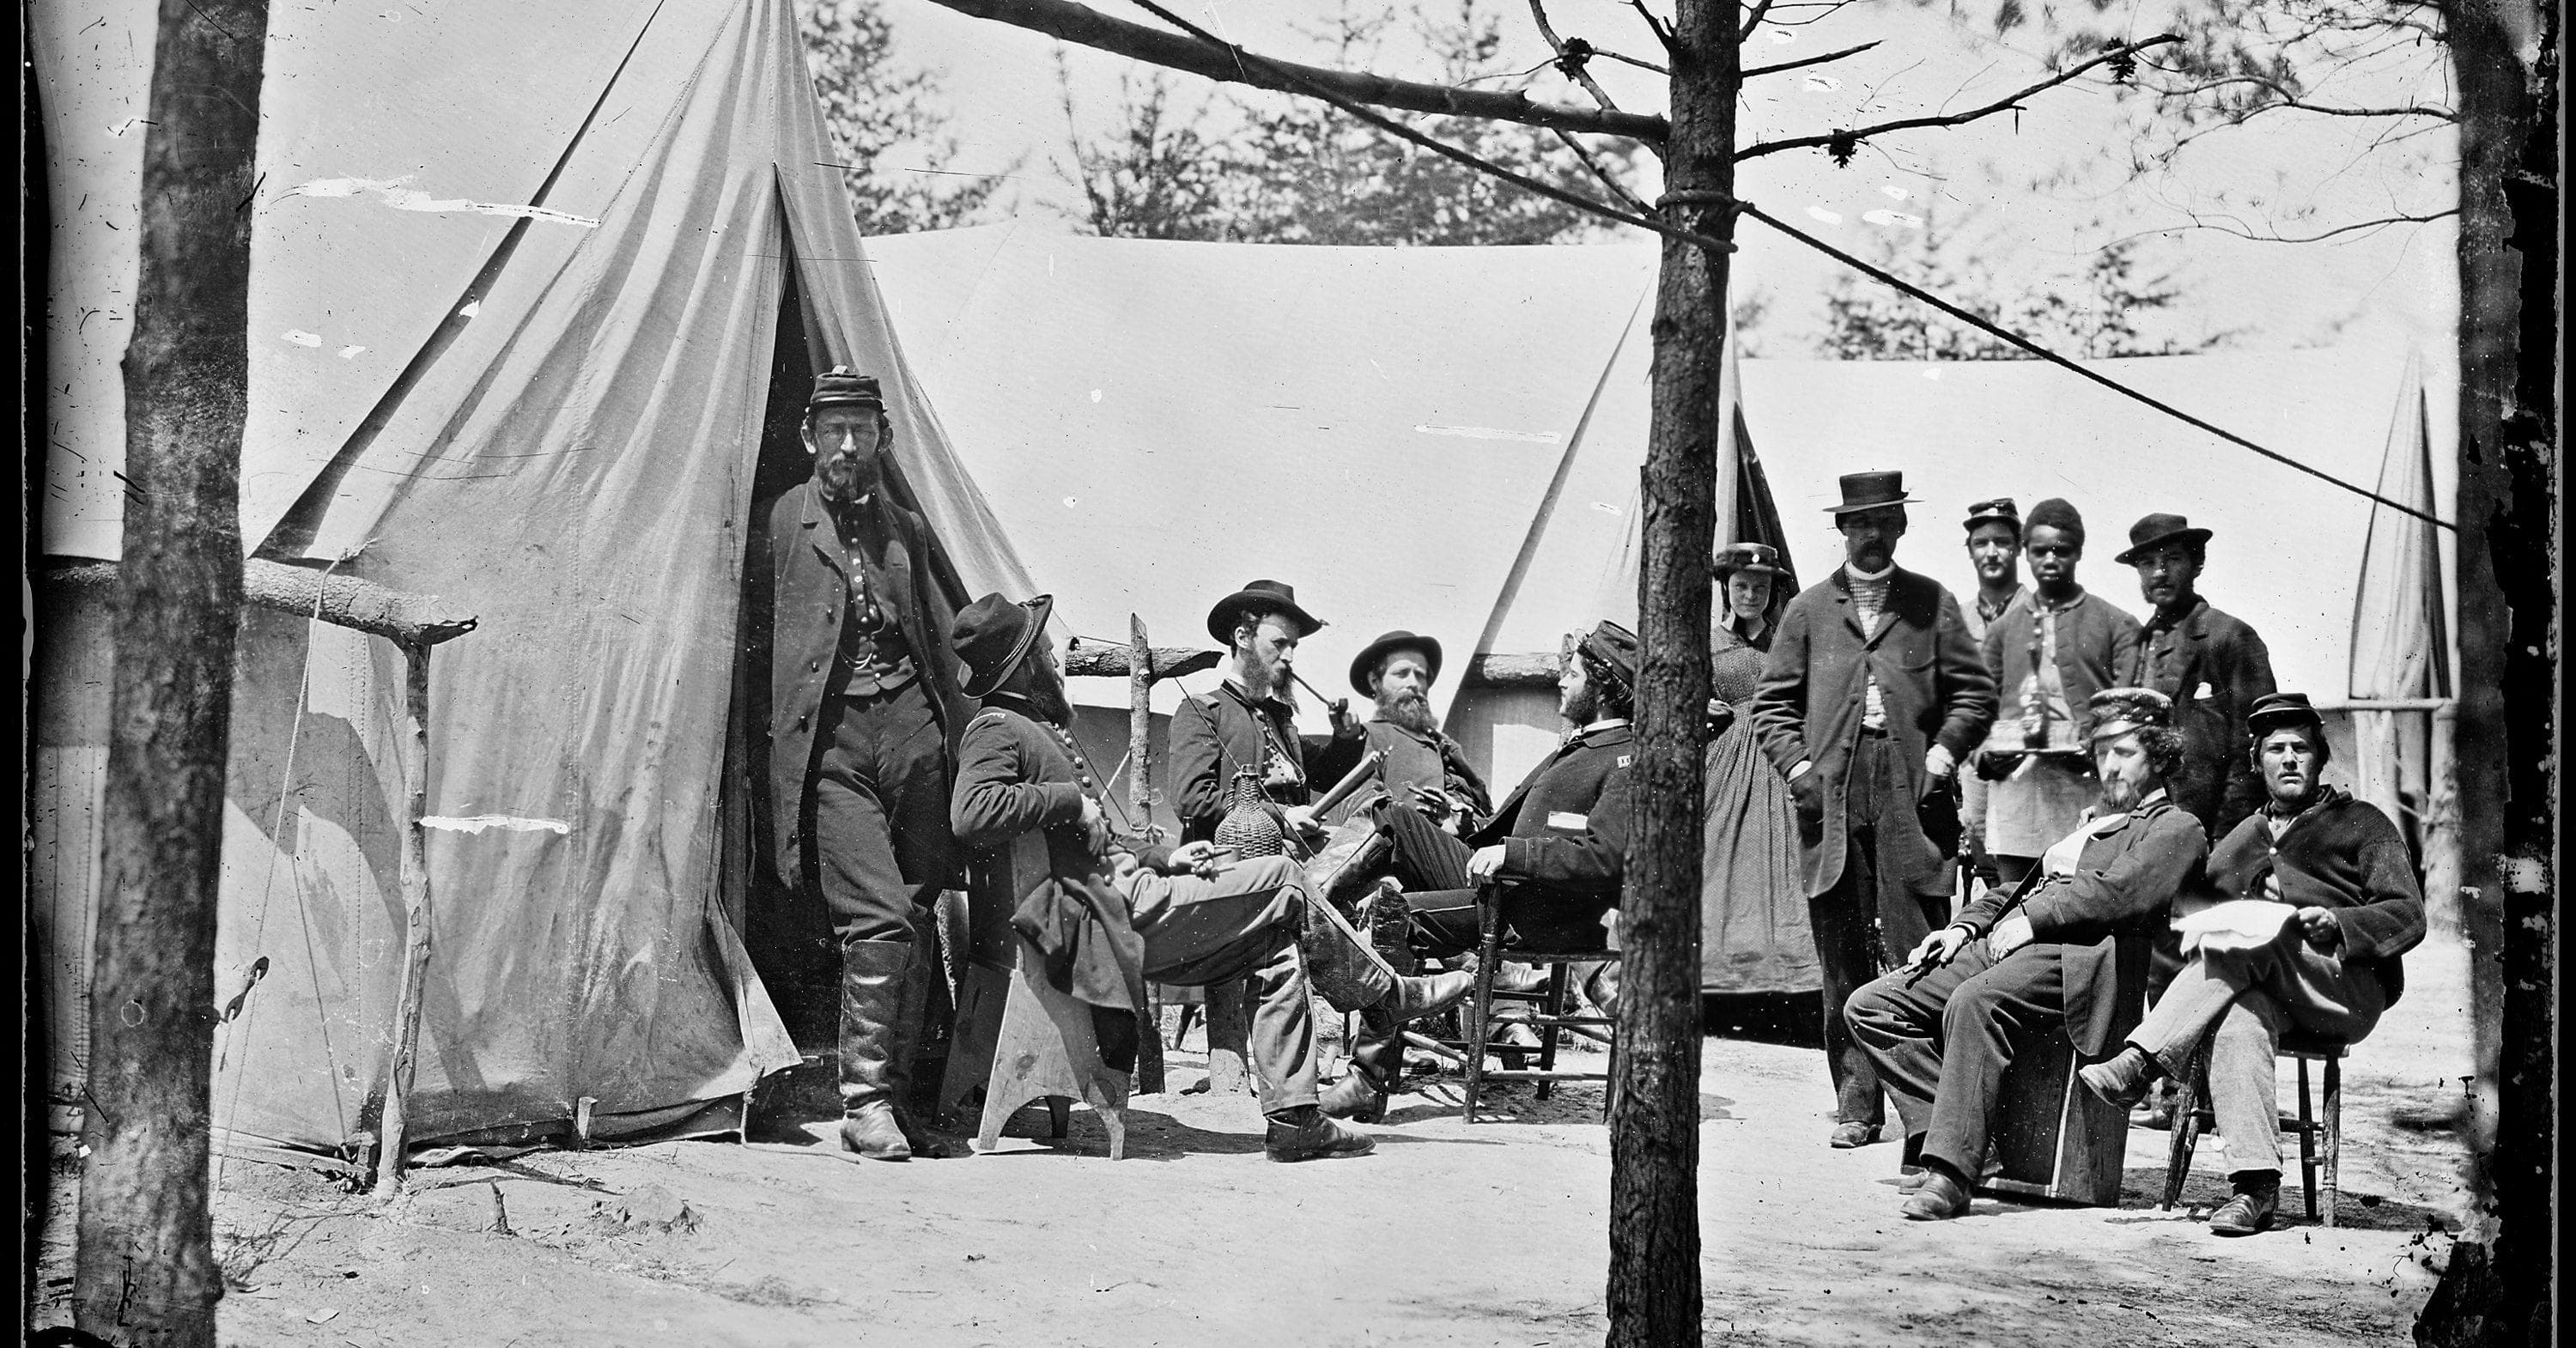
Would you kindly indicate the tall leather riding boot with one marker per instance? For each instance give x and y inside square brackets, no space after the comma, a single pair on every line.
[1352,976]
[1377,1068]
[909,1030]
[872,985]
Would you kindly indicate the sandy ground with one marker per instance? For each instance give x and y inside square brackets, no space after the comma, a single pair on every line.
[1494,1234]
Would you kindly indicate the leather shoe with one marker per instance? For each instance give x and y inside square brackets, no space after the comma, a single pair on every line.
[1849,1135]
[873,1132]
[1427,994]
[1321,1140]
[1354,1097]
[1910,1178]
[2157,1110]
[1938,1199]
[2250,1211]
[2122,1079]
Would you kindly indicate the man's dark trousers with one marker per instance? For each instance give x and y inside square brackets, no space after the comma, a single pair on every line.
[1941,1042]
[880,801]
[1860,930]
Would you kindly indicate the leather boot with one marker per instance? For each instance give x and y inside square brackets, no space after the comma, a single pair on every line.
[872,979]
[910,1023]
[1345,970]
[1377,1068]
[1340,875]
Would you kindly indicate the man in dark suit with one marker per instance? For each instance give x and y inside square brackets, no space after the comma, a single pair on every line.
[1250,722]
[863,707]
[2337,879]
[1558,847]
[2068,947]
[1106,916]
[2215,668]
[1872,696]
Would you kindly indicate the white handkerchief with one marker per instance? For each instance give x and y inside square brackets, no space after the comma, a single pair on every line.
[2238,924]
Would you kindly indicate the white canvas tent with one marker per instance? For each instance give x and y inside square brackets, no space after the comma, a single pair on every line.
[1448,440]
[536,294]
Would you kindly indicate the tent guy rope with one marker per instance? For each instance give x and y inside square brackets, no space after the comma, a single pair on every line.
[1583,203]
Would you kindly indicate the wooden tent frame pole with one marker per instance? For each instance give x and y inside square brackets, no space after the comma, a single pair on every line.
[395,1120]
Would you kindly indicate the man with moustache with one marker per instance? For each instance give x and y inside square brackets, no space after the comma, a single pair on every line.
[2068,949]
[2050,651]
[1994,552]
[864,704]
[1104,915]
[1426,795]
[1250,721]
[2337,876]
[2215,668]
[1872,696]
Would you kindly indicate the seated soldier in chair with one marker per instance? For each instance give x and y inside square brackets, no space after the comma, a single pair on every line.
[1107,917]
[2068,947]
[2353,906]
[1557,847]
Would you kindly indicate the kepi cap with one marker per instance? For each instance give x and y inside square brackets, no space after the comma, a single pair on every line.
[2275,710]
[839,385]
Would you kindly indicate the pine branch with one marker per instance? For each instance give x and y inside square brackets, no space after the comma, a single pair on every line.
[1228,63]
[1808,61]
[1843,143]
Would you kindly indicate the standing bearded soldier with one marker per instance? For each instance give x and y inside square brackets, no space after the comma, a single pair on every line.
[864,703]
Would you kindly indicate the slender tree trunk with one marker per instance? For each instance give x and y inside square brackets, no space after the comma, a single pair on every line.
[146,1267]
[2508,66]
[1654,1294]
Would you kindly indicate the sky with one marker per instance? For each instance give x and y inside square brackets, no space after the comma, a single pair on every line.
[2041,191]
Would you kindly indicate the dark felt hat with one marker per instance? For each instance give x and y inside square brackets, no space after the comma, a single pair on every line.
[2000,510]
[1364,668]
[1869,491]
[2117,711]
[992,636]
[1269,594]
[1757,558]
[2273,711]
[839,385]
[1614,648]
[2157,530]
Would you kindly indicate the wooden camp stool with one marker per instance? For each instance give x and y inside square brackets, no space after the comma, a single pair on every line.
[1044,1047]
[2320,1134]
[2052,1138]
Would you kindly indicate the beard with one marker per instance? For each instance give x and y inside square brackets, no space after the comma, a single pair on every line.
[2119,796]
[1410,710]
[1582,708]
[1044,691]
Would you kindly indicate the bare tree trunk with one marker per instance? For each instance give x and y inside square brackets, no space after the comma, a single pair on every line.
[1654,1293]
[146,1266]
[2508,65]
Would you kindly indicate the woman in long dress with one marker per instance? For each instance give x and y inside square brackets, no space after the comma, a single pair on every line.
[1755,935]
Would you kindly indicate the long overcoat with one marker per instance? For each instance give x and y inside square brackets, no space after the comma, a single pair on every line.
[811,566]
[2100,922]
[1931,678]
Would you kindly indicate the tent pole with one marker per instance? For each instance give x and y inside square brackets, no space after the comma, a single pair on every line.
[1140,814]
[415,892]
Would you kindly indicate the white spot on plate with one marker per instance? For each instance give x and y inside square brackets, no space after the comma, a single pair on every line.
[1605,507]
[1095,395]
[347,352]
[1932,372]
[513,823]
[1822,84]
[1819,213]
[1894,192]
[471,309]
[393,193]
[1071,501]
[1897,218]
[302,338]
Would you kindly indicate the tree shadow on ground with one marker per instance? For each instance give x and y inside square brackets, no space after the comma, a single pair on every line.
[2143,1187]
[1153,1136]
[1794,1019]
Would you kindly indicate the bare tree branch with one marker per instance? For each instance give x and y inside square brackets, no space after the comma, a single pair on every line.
[2198,223]
[1567,61]
[2290,99]
[1654,25]
[1808,60]
[1843,141]
[1617,188]
[1761,10]
[1224,62]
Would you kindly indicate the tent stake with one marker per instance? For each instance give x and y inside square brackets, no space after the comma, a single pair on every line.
[415,892]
